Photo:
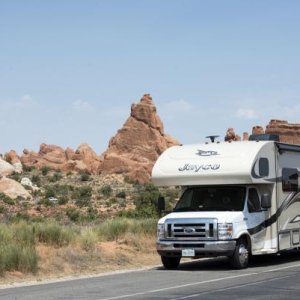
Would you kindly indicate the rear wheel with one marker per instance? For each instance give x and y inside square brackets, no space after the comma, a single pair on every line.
[240,258]
[170,262]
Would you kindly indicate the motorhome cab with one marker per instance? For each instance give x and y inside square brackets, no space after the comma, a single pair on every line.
[238,198]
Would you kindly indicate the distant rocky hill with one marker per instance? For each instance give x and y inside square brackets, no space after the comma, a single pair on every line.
[131,152]
[288,132]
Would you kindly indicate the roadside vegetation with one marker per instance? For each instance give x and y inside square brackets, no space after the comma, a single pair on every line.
[78,223]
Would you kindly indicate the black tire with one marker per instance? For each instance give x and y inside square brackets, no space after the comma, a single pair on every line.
[240,257]
[170,262]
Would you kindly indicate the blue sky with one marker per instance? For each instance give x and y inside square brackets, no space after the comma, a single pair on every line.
[69,70]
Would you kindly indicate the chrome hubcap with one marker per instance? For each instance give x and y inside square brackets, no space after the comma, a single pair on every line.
[243,254]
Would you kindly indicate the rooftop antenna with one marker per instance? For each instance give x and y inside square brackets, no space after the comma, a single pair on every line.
[212,137]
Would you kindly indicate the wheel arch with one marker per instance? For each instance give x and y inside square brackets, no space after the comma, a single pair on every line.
[247,238]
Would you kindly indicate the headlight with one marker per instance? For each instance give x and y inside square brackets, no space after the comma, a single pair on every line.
[160,231]
[225,231]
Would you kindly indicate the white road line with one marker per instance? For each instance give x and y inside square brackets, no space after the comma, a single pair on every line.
[203,282]
[232,287]
[282,268]
[179,286]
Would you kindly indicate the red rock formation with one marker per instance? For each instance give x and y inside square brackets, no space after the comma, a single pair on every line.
[258,130]
[288,132]
[12,157]
[137,145]
[231,135]
[56,158]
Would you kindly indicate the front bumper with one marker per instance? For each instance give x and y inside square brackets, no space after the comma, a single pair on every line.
[202,249]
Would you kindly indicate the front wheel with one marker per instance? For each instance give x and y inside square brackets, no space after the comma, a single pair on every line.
[240,257]
[170,262]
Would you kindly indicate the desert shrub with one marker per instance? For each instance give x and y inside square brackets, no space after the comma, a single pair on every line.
[106,190]
[83,202]
[28,168]
[36,180]
[53,234]
[23,233]
[5,234]
[15,176]
[92,214]
[18,257]
[118,227]
[69,173]
[85,177]
[2,209]
[113,229]
[45,170]
[46,202]
[6,199]
[146,201]
[82,196]
[73,214]
[88,239]
[63,200]
[85,191]
[55,177]
[121,194]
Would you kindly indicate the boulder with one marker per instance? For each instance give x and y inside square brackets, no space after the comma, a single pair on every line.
[13,158]
[13,189]
[5,168]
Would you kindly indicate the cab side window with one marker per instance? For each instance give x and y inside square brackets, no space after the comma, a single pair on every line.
[253,202]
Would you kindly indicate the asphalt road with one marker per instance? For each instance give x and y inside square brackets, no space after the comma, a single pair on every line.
[268,277]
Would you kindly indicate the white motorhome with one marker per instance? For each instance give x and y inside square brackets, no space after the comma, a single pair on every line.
[238,198]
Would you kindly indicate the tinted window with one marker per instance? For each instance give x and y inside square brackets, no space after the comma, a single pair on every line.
[213,198]
[253,202]
[289,180]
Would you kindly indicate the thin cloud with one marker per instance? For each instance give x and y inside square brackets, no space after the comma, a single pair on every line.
[247,113]
[82,106]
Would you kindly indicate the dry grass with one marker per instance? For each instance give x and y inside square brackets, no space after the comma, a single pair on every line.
[87,251]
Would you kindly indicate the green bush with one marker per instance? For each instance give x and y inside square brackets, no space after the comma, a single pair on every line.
[85,177]
[63,200]
[111,230]
[45,170]
[121,194]
[28,168]
[17,257]
[6,199]
[55,177]
[118,227]
[146,202]
[73,214]
[15,176]
[88,239]
[53,234]
[23,233]
[106,190]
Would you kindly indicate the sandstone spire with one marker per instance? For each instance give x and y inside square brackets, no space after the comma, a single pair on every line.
[137,145]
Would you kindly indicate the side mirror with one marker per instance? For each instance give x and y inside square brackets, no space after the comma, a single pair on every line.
[265,201]
[161,204]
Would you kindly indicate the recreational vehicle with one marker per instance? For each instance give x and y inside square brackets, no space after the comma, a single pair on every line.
[238,199]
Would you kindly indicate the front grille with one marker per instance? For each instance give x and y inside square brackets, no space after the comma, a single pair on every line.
[191,229]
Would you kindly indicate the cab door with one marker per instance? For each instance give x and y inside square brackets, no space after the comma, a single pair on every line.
[255,217]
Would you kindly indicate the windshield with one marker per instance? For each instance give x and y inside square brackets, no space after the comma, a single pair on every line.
[215,198]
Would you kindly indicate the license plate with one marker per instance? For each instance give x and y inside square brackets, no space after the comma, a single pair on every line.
[188,252]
